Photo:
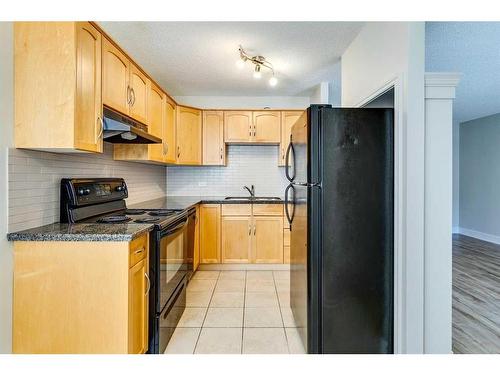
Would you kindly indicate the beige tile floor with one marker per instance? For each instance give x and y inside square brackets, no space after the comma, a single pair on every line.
[237,312]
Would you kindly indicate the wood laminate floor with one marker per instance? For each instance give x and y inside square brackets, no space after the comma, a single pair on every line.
[476,296]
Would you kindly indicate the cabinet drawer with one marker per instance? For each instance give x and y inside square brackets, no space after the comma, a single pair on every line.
[268,209]
[286,237]
[236,209]
[138,249]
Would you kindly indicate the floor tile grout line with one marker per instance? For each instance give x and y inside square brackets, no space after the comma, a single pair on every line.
[206,312]
[244,307]
[281,314]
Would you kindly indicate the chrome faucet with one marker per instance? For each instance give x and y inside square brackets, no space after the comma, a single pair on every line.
[250,190]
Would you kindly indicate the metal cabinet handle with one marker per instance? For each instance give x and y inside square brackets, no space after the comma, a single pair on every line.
[132,99]
[128,95]
[254,130]
[138,251]
[250,130]
[249,230]
[101,130]
[149,284]
[221,153]
[178,151]
[254,229]
[282,153]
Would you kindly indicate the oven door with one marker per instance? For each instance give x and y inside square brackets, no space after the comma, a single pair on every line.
[173,259]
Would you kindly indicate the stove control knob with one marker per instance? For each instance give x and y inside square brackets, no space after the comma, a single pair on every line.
[80,191]
[120,188]
[87,191]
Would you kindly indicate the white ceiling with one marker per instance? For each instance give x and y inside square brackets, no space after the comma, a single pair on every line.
[470,48]
[199,58]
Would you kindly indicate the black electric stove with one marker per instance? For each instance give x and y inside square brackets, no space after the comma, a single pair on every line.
[102,201]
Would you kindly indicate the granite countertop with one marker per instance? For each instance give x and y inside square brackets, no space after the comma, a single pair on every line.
[81,232]
[120,232]
[183,202]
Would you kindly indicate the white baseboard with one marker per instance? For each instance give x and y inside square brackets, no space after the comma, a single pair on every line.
[480,235]
[455,230]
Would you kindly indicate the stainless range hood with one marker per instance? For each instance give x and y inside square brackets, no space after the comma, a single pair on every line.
[122,129]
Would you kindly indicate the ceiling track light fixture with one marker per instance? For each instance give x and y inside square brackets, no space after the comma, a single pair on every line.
[259,62]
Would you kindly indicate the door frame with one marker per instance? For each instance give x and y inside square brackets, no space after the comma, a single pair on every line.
[396,83]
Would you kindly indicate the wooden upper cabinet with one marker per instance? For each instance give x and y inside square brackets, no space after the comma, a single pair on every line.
[169,131]
[288,118]
[266,127]
[213,138]
[138,94]
[157,120]
[188,135]
[115,76]
[88,121]
[238,126]
[57,86]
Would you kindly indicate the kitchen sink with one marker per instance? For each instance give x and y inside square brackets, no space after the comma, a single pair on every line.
[253,198]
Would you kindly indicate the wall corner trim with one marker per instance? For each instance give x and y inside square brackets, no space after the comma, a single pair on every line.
[441,85]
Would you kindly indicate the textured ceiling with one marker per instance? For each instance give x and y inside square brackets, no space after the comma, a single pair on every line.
[473,49]
[199,58]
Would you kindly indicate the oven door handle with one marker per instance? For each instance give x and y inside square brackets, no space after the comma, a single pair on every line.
[177,227]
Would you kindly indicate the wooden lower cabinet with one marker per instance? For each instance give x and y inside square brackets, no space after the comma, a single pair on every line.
[210,244]
[236,239]
[80,297]
[196,247]
[267,241]
[138,309]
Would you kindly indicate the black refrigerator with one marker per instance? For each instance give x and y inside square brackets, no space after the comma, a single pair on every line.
[340,207]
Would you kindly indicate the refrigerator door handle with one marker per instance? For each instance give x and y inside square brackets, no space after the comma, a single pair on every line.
[290,150]
[289,216]
[307,184]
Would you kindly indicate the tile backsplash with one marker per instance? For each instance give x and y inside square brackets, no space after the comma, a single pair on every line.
[34,179]
[246,165]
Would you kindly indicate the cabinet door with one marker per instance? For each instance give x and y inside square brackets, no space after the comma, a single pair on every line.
[236,243]
[139,92]
[156,116]
[169,131]
[266,127]
[288,118]
[213,138]
[137,310]
[115,77]
[237,126]
[267,243]
[210,233]
[196,254]
[88,120]
[188,135]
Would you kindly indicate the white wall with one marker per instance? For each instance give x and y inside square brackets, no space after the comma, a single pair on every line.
[320,94]
[243,102]
[384,53]
[480,178]
[6,140]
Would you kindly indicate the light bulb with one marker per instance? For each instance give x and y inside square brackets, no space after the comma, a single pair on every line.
[240,64]
[273,81]
[256,73]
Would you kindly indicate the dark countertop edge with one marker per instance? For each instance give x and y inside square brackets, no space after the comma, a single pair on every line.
[185,202]
[80,237]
